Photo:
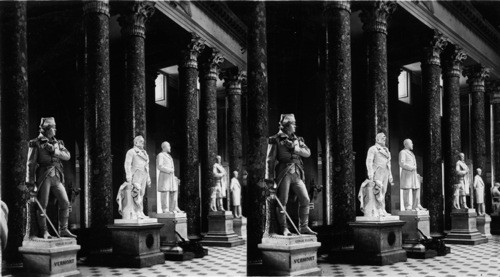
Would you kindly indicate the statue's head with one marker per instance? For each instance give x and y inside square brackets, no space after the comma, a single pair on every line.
[461,156]
[48,127]
[497,184]
[219,159]
[380,138]
[165,146]
[479,171]
[235,174]
[287,123]
[408,144]
[139,142]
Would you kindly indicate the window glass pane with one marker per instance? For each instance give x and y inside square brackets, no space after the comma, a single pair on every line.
[160,88]
[404,87]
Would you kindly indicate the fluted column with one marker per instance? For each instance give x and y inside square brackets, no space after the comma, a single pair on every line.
[258,129]
[452,57]
[432,185]
[133,22]
[14,109]
[189,196]
[232,82]
[210,66]
[339,113]
[97,121]
[476,75]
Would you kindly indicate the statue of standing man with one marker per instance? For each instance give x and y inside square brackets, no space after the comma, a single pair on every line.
[409,179]
[137,174]
[459,195]
[219,191]
[168,184]
[378,165]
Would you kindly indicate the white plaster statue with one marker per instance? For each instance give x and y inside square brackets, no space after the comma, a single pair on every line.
[410,180]
[219,190]
[461,188]
[495,194]
[168,184]
[378,165]
[131,193]
[235,188]
[371,199]
[479,189]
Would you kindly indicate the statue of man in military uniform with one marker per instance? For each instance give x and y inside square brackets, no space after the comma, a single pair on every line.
[284,166]
[45,170]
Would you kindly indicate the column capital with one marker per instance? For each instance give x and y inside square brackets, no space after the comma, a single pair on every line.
[340,5]
[211,64]
[133,18]
[190,56]
[375,14]
[233,79]
[493,88]
[453,57]
[476,75]
[93,6]
[433,50]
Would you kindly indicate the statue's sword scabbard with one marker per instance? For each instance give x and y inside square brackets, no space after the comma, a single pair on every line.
[287,216]
[45,215]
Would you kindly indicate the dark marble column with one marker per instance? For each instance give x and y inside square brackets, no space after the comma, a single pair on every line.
[232,82]
[133,22]
[339,112]
[98,121]
[476,76]
[189,196]
[258,129]
[211,61]
[432,184]
[14,109]
[495,102]
[452,57]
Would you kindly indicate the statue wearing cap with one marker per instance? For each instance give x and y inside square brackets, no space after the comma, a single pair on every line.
[45,171]
[284,167]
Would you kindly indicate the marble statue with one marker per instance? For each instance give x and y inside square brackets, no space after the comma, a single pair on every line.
[410,180]
[168,184]
[284,166]
[235,189]
[371,199]
[4,228]
[45,174]
[131,193]
[495,194]
[459,201]
[378,165]
[219,190]
[479,192]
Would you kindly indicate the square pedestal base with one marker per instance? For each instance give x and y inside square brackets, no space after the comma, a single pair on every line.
[169,241]
[483,225]
[136,245]
[414,221]
[50,257]
[290,255]
[378,242]
[464,228]
[495,224]
[220,230]
[240,227]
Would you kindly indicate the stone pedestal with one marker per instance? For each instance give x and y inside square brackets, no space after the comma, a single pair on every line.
[290,255]
[240,227]
[483,225]
[169,241]
[220,230]
[378,241]
[136,245]
[414,221]
[464,228]
[495,224]
[50,257]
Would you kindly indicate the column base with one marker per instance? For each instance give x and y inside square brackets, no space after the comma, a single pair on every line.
[483,225]
[50,257]
[290,255]
[220,230]
[464,228]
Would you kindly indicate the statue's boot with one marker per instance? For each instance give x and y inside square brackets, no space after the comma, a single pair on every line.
[281,216]
[63,224]
[304,222]
[42,225]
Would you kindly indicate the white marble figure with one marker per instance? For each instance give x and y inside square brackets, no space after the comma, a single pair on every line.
[168,183]
[479,192]
[378,165]
[410,180]
[495,194]
[219,189]
[371,199]
[131,193]
[235,188]
[459,201]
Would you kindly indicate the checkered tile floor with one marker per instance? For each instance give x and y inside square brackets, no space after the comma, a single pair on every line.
[220,261]
[464,260]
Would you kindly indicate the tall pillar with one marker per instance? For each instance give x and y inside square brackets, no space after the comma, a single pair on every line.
[339,113]
[232,83]
[133,22]
[14,109]
[258,129]
[374,17]
[210,65]
[452,57]
[495,102]
[476,76]
[432,185]
[98,121]
[189,196]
